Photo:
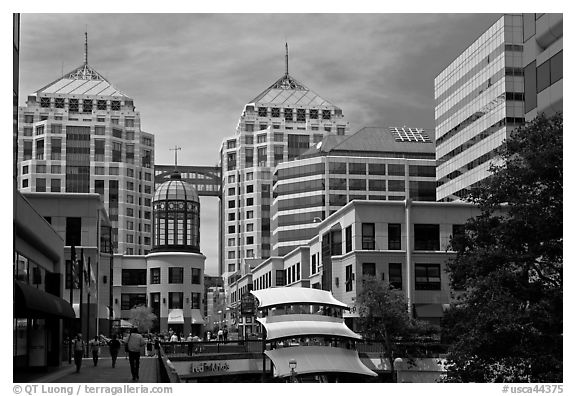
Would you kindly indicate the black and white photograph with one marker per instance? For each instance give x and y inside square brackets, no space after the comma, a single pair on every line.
[205,198]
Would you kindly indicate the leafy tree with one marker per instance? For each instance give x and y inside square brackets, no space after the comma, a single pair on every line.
[507,325]
[384,316]
[142,317]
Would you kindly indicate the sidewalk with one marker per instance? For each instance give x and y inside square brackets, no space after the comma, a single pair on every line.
[104,373]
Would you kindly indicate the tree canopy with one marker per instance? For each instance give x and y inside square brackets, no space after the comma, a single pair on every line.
[142,317]
[507,323]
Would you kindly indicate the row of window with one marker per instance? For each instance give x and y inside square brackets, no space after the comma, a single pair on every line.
[539,78]
[175,300]
[136,277]
[426,276]
[88,105]
[288,113]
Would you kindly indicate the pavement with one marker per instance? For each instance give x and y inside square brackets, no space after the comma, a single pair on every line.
[102,373]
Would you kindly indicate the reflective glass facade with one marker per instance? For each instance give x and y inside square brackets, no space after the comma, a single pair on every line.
[479,101]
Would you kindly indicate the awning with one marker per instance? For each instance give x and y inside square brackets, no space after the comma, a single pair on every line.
[175,316]
[197,317]
[301,328]
[124,324]
[429,310]
[32,302]
[76,308]
[317,359]
[295,295]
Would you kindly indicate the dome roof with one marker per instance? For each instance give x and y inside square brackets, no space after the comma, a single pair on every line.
[176,189]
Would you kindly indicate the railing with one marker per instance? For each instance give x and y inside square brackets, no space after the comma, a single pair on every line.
[195,348]
[166,371]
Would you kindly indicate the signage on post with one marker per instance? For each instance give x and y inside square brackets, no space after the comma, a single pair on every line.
[248,305]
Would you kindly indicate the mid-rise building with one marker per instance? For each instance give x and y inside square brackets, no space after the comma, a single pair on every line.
[169,279]
[79,134]
[82,222]
[542,61]
[372,164]
[278,125]
[479,101]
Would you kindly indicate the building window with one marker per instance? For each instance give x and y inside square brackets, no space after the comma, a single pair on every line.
[195,301]
[155,276]
[325,114]
[368,269]
[396,185]
[395,275]
[280,279]
[196,276]
[129,122]
[368,236]
[231,255]
[99,130]
[73,231]
[40,185]
[427,276]
[130,212]
[426,237]
[175,275]
[458,235]
[230,144]
[262,157]
[396,169]
[40,149]
[249,201]
[348,237]
[131,300]
[40,168]
[275,112]
[175,300]
[262,111]
[394,237]
[249,240]
[249,127]
[349,278]
[261,138]
[249,227]
[133,277]
[530,87]
[55,185]
[340,130]
[25,183]
[288,114]
[231,229]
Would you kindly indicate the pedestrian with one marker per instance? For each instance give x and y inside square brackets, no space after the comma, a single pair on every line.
[134,346]
[225,332]
[208,336]
[157,346]
[79,346]
[189,338]
[174,338]
[95,349]
[114,346]
[220,335]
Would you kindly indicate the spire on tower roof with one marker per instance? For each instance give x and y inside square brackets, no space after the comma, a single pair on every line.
[286,58]
[86,47]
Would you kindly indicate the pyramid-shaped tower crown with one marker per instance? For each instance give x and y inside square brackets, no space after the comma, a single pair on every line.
[83,80]
[287,91]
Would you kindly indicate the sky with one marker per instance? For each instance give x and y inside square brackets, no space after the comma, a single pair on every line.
[190,75]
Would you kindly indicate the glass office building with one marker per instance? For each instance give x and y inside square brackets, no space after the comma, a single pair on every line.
[479,101]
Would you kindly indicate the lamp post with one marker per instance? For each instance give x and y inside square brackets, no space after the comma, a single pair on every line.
[292,364]
[397,363]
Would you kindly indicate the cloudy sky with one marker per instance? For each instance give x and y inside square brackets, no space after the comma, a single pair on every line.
[191,74]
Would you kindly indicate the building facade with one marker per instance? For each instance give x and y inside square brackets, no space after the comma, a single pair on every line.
[169,279]
[372,164]
[405,243]
[479,101]
[542,62]
[279,124]
[79,134]
[82,222]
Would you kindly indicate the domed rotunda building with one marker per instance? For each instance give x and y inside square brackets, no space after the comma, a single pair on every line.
[175,265]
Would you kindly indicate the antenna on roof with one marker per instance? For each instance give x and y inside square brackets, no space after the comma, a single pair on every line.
[86,46]
[286,58]
[175,149]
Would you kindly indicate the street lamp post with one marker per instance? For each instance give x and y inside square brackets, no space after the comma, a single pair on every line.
[292,364]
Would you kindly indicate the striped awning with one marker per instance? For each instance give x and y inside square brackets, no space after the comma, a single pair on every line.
[295,295]
[306,328]
[317,359]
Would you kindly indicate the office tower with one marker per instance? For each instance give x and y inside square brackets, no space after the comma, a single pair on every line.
[79,134]
[372,164]
[479,101]
[277,125]
[542,61]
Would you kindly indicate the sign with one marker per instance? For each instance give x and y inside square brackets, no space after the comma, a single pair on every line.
[212,368]
[248,305]
[209,367]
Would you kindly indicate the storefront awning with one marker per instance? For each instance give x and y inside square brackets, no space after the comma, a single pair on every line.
[175,316]
[317,359]
[429,310]
[294,295]
[124,324]
[303,328]
[197,317]
[32,302]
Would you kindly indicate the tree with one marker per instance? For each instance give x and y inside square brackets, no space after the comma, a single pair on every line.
[142,317]
[507,325]
[384,316]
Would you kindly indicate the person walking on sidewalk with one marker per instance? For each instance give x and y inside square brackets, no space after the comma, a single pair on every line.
[135,344]
[95,349]
[79,346]
[114,346]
